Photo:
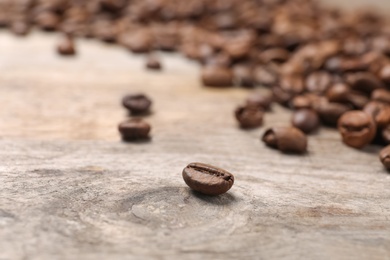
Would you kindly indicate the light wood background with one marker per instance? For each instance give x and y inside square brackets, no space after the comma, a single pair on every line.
[69,189]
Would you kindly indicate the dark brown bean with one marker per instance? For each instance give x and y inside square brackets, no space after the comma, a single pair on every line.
[384,157]
[381,95]
[357,128]
[137,103]
[217,76]
[207,179]
[265,76]
[364,82]
[385,74]
[330,112]
[249,116]
[153,63]
[134,129]
[379,111]
[306,120]
[66,46]
[260,100]
[338,93]
[318,82]
[286,139]
[243,75]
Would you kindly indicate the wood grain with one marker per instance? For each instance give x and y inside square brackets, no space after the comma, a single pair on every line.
[71,190]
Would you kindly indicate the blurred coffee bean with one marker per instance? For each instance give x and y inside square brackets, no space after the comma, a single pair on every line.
[134,129]
[137,103]
[249,116]
[384,157]
[330,112]
[286,139]
[260,100]
[153,63]
[217,76]
[318,82]
[66,46]
[381,95]
[306,120]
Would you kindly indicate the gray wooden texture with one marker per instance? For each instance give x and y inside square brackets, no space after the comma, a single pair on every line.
[69,189]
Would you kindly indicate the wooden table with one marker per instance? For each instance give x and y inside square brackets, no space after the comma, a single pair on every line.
[71,190]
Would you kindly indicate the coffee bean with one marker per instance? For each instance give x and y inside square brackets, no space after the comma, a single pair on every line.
[357,128]
[385,74]
[306,120]
[286,139]
[379,111]
[134,129]
[207,179]
[381,95]
[260,100]
[330,112]
[153,63]
[265,76]
[20,28]
[357,99]
[47,21]
[318,82]
[301,102]
[249,116]
[338,93]
[66,46]
[243,75]
[137,103]
[217,76]
[364,82]
[384,157]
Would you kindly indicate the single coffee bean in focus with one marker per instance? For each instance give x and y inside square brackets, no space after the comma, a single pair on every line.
[357,128]
[207,179]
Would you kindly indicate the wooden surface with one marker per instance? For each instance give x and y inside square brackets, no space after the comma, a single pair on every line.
[71,190]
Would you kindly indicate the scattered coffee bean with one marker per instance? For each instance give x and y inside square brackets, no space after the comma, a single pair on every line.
[66,46]
[153,63]
[330,112]
[338,93]
[385,74]
[306,120]
[134,130]
[260,100]
[137,103]
[207,179]
[217,76]
[286,139]
[381,95]
[357,128]
[384,156]
[379,111]
[249,116]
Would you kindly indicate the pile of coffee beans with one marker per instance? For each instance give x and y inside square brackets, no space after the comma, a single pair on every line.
[331,67]
[135,129]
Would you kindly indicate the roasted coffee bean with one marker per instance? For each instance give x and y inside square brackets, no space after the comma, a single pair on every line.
[153,63]
[20,28]
[364,82]
[330,112]
[243,75]
[217,76]
[207,179]
[306,120]
[66,46]
[140,41]
[357,99]
[134,129]
[276,55]
[338,93]
[301,102]
[318,82]
[381,95]
[384,156]
[137,103]
[385,74]
[357,128]
[286,139]
[379,111]
[249,116]
[265,76]
[47,21]
[260,100]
